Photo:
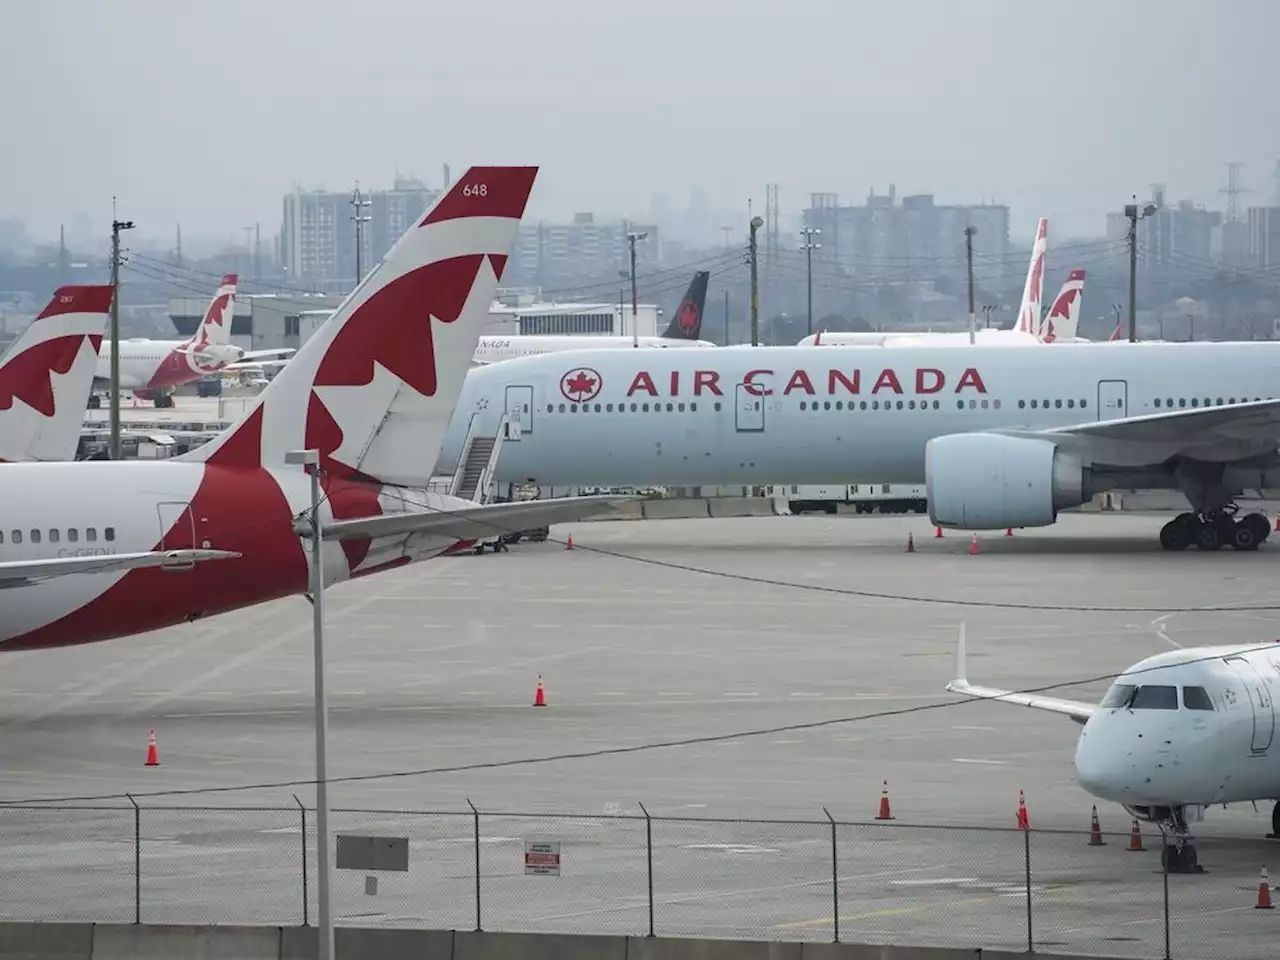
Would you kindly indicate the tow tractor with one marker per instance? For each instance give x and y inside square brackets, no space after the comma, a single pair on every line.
[521,493]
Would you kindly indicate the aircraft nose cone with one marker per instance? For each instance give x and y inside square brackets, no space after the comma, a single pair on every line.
[1101,769]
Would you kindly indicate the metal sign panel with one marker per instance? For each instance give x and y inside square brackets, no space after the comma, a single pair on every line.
[373,853]
[542,858]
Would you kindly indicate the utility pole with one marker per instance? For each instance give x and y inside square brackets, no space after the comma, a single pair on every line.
[356,203]
[808,247]
[632,237]
[968,249]
[1135,213]
[756,224]
[117,226]
[726,318]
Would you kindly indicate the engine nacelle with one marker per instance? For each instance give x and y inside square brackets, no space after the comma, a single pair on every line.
[987,481]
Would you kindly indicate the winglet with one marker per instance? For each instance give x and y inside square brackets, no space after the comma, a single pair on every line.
[962,668]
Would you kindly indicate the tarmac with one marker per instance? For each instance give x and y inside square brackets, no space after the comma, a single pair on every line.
[768,641]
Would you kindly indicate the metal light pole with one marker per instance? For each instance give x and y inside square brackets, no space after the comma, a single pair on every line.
[309,460]
[754,260]
[635,323]
[808,247]
[1135,213]
[114,403]
[968,247]
[360,219]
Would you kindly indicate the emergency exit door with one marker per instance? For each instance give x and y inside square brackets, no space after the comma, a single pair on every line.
[177,531]
[1113,399]
[749,416]
[519,406]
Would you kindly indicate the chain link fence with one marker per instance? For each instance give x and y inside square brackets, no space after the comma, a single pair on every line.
[629,873]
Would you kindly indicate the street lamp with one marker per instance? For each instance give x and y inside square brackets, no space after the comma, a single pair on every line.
[1134,213]
[309,460]
[808,247]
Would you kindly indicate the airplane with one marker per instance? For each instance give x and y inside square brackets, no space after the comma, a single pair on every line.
[47,373]
[1063,319]
[102,549]
[1175,733]
[151,369]
[1000,436]
[681,332]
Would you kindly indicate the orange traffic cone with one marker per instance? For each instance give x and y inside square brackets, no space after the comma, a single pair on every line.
[884,813]
[1095,830]
[911,543]
[1135,838]
[1024,819]
[153,754]
[540,698]
[1264,891]
[1008,531]
[937,531]
[568,544]
[973,545]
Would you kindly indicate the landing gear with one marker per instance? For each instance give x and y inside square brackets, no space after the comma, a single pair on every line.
[1215,530]
[1178,856]
[1275,822]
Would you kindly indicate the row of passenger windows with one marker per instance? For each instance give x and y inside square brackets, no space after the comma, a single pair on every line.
[55,536]
[1151,697]
[1196,402]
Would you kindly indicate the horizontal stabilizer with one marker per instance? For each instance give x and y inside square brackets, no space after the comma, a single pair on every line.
[1075,709]
[26,572]
[480,522]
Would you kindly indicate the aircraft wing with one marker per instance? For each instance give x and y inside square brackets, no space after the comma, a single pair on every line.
[1075,709]
[481,522]
[23,573]
[1251,422]
[254,364]
[281,352]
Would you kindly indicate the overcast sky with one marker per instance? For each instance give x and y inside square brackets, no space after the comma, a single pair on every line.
[206,111]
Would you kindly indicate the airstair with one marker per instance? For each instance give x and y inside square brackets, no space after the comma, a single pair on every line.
[473,480]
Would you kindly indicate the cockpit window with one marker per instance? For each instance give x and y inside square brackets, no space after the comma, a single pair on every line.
[1155,698]
[1118,696]
[1196,698]
[1132,697]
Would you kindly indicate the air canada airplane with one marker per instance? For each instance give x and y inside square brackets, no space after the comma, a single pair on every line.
[47,373]
[151,369]
[101,549]
[1175,733]
[683,331]
[1001,436]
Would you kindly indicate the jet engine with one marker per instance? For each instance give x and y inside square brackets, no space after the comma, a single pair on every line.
[988,481]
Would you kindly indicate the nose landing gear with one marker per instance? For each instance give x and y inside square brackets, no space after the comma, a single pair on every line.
[1178,856]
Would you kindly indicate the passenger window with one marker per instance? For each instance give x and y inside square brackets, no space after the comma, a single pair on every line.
[633,408]
[562,408]
[1058,404]
[1196,698]
[802,405]
[936,405]
[959,404]
[826,405]
[90,534]
[1,536]
[1084,403]
[551,408]
[35,536]
[1022,404]
[996,404]
[109,533]
[73,535]
[644,408]
[717,406]
[597,408]
[1035,404]
[1155,698]
[17,536]
[573,408]
[1157,401]
[862,404]
[693,408]
[1071,402]
[899,404]
[984,405]
[609,408]
[53,536]
[680,407]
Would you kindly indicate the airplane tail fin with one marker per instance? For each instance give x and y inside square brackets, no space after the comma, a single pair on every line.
[687,323]
[375,387]
[1063,319]
[45,377]
[1033,289]
[215,327]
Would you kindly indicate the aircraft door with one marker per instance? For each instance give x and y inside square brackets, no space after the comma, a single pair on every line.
[519,408]
[749,415]
[1264,714]
[177,531]
[1113,399]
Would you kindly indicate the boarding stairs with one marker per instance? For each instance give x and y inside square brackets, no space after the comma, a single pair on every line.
[473,480]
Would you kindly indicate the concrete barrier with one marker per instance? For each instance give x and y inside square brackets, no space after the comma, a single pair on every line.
[623,511]
[86,941]
[675,509]
[740,507]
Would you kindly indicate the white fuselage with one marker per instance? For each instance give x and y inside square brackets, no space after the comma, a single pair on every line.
[494,349]
[982,337]
[772,415]
[163,364]
[1175,746]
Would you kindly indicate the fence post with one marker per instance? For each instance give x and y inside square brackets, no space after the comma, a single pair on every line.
[137,860]
[1026,846]
[648,842]
[476,817]
[835,878]
[1164,868]
[305,904]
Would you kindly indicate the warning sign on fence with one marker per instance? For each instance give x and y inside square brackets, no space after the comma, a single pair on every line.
[542,858]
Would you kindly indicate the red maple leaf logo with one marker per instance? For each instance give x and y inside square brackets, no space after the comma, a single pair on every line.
[215,312]
[28,376]
[688,316]
[581,385]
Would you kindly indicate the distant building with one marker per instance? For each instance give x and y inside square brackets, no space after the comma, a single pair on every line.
[545,253]
[915,238]
[318,236]
[1264,236]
